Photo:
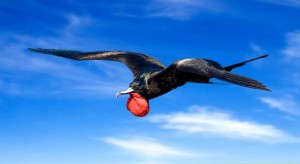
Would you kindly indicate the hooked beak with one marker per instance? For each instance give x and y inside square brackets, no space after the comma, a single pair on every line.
[127,91]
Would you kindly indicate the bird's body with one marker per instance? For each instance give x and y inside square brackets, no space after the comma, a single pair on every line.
[152,78]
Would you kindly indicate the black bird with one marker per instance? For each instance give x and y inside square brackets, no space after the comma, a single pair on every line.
[152,78]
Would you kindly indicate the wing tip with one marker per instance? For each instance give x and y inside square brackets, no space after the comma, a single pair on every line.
[38,50]
[32,49]
[263,56]
[266,89]
[259,86]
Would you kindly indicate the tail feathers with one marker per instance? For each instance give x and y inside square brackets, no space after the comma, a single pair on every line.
[237,79]
[229,68]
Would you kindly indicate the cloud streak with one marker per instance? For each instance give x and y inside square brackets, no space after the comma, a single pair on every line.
[209,121]
[174,9]
[287,105]
[292,3]
[148,147]
[293,45]
[75,22]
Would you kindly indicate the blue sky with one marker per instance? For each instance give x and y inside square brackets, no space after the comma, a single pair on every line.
[54,110]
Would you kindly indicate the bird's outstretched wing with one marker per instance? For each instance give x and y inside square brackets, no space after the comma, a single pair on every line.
[136,62]
[201,70]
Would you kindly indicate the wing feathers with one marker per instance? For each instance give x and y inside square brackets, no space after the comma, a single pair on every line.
[135,61]
[70,54]
[236,79]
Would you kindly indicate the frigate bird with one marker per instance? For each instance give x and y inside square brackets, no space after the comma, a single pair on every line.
[152,78]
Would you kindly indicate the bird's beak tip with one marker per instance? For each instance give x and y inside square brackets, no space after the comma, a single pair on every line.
[128,91]
[117,95]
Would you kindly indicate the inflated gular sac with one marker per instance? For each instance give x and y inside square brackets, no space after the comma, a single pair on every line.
[137,105]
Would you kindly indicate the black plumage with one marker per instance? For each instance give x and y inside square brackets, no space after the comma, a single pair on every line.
[152,78]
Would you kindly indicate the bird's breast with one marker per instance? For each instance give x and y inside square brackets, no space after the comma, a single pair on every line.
[159,87]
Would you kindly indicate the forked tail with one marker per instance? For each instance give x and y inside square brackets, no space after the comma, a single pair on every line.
[229,68]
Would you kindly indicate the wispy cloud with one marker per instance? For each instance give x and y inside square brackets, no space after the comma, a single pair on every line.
[210,121]
[176,9]
[75,22]
[148,147]
[144,149]
[257,49]
[288,104]
[292,3]
[295,78]
[292,50]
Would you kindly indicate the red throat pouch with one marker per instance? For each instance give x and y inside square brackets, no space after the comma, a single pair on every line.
[137,105]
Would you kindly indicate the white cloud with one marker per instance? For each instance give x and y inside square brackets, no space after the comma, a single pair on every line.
[181,9]
[148,147]
[293,45]
[206,120]
[74,22]
[257,49]
[287,105]
[293,3]
[173,9]
[176,9]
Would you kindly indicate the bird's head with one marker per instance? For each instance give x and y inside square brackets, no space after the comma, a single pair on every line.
[136,103]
